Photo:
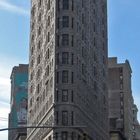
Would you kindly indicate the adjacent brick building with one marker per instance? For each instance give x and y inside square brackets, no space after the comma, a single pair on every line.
[18,102]
[120,98]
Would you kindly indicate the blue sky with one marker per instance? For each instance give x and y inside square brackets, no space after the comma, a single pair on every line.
[123,35]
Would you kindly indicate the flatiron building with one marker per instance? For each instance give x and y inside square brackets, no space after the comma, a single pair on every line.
[68,70]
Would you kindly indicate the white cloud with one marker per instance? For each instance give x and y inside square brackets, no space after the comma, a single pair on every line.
[5,71]
[4,90]
[5,5]
[3,135]
[4,81]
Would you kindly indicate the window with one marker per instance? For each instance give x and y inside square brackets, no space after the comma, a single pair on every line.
[82,3]
[38,59]
[65,4]
[95,86]
[72,118]
[95,57]
[121,71]
[39,45]
[65,58]
[31,76]
[72,58]
[72,7]
[94,11]
[38,88]
[94,27]
[58,40]
[65,76]
[57,58]
[64,95]
[57,77]
[72,78]
[57,117]
[65,21]
[33,12]
[56,136]
[48,37]
[48,70]
[121,86]
[32,35]
[39,31]
[64,117]
[103,8]
[48,54]
[64,135]
[82,35]
[31,102]
[103,33]
[72,40]
[57,95]
[39,17]
[72,96]
[121,94]
[79,137]
[83,69]
[40,3]
[49,5]
[43,95]
[104,73]
[32,63]
[95,71]
[82,18]
[31,89]
[72,136]
[58,6]
[32,50]
[58,22]
[94,41]
[51,82]
[48,20]
[65,39]
[38,73]
[103,44]
[72,23]
[103,21]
